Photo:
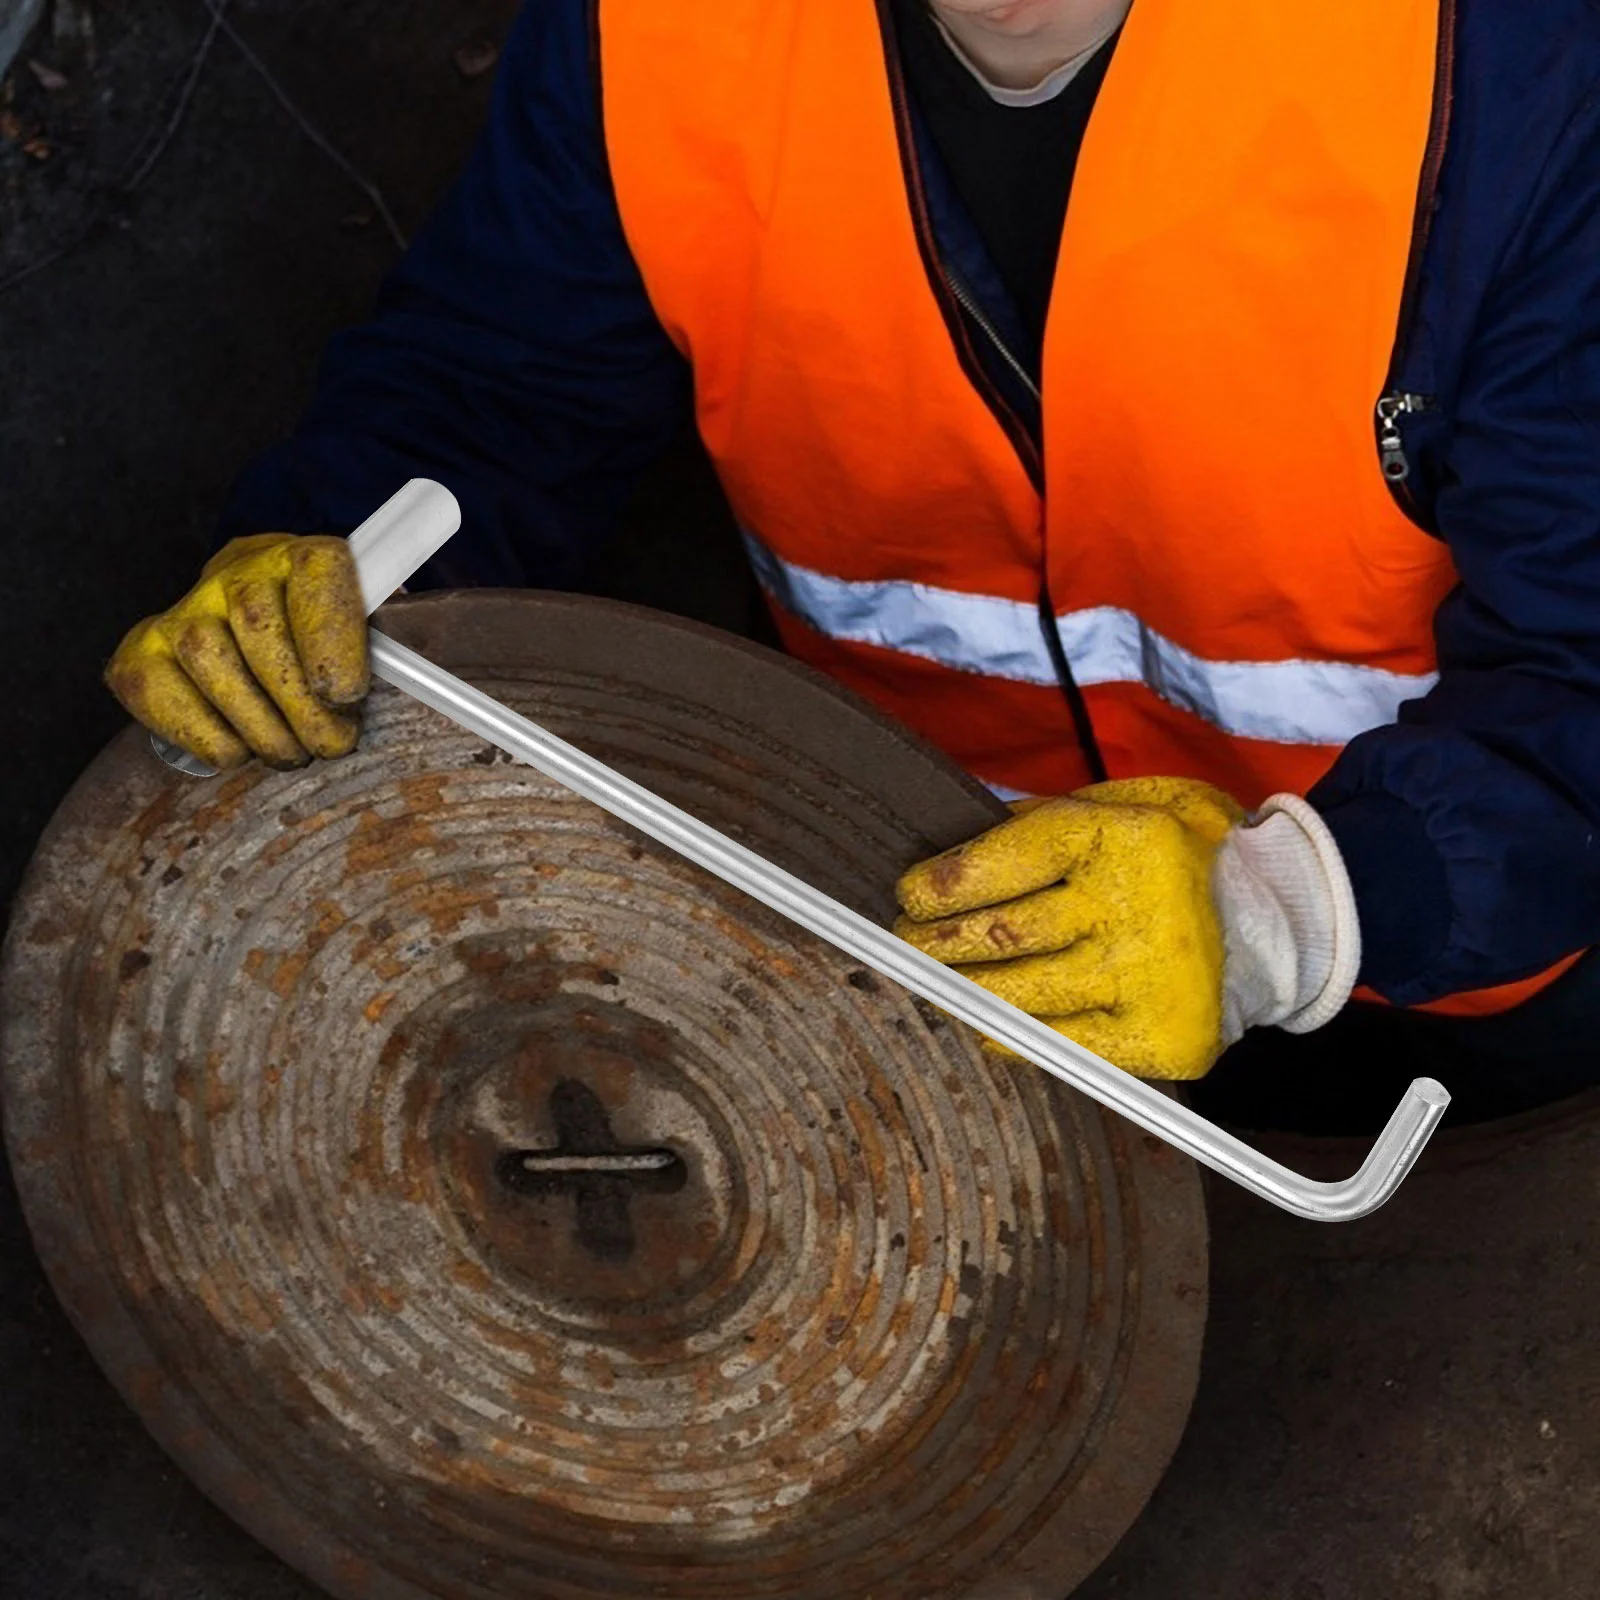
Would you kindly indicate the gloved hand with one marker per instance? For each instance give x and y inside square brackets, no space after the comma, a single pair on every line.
[1147,919]
[266,654]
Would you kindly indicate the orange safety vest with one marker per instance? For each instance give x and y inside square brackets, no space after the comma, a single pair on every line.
[1232,583]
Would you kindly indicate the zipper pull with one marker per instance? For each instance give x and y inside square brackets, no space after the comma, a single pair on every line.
[1392,458]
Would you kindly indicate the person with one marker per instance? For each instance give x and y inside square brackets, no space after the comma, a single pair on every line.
[1186,416]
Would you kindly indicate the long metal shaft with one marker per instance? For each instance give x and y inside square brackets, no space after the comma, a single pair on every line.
[1391,1157]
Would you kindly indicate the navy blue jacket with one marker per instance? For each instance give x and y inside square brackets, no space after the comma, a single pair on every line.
[514,356]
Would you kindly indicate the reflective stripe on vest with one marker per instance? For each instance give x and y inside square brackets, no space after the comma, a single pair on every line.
[1285,702]
[1237,593]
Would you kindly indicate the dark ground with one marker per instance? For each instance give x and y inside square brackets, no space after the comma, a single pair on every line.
[1406,1408]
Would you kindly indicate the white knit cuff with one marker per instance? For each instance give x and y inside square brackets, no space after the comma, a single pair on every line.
[1344,927]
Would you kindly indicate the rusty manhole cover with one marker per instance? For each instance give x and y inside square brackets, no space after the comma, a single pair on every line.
[478,1201]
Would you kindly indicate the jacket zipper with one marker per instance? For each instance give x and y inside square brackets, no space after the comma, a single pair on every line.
[969,303]
[1392,458]
[1396,402]
[1051,629]
[939,277]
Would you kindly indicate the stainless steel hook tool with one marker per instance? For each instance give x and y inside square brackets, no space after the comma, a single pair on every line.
[407,530]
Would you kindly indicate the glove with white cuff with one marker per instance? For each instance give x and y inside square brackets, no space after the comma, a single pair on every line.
[1148,919]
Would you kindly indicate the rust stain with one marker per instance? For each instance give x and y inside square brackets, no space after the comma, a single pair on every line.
[254,1311]
[745,937]
[469,1274]
[225,803]
[425,792]
[278,848]
[488,961]
[286,972]
[378,1004]
[157,815]
[220,1097]
[354,1293]
[447,905]
[380,842]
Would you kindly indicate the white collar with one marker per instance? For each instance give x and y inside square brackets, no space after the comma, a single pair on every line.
[1047,88]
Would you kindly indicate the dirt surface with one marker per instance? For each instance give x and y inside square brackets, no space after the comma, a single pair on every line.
[1405,1407]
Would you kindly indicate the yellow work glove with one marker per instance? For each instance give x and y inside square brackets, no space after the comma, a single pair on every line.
[1147,919]
[267,654]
